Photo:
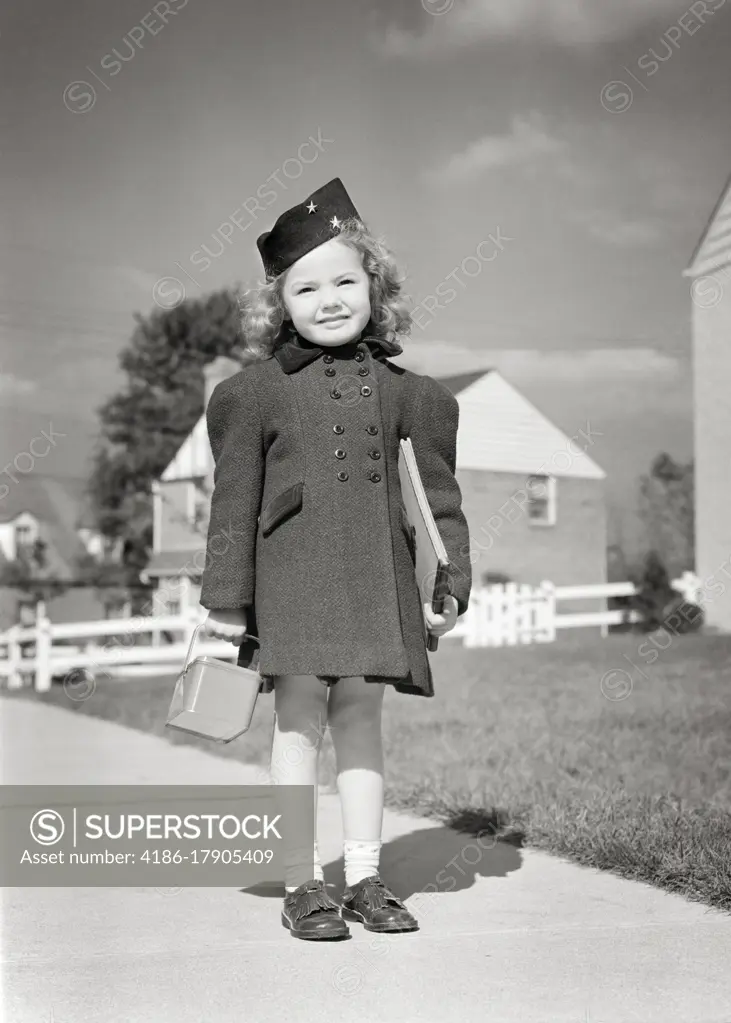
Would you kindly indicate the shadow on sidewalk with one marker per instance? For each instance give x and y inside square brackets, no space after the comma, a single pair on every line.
[436,859]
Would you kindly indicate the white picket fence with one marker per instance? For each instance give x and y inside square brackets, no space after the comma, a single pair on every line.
[509,614]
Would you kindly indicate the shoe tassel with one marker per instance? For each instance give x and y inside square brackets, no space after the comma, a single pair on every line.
[377,896]
[311,901]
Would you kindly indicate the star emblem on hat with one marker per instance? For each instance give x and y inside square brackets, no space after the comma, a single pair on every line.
[295,232]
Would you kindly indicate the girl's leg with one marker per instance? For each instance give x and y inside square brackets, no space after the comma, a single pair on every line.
[300,714]
[354,717]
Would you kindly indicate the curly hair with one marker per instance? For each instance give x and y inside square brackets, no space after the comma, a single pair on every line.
[263,311]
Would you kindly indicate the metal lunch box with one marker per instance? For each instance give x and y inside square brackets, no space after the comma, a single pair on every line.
[213,699]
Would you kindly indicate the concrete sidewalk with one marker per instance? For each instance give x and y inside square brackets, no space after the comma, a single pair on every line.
[523,937]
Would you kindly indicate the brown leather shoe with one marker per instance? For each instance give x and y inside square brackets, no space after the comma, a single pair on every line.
[376,907]
[309,912]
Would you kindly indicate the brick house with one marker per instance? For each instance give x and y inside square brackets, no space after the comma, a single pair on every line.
[534,500]
[533,497]
[710,275]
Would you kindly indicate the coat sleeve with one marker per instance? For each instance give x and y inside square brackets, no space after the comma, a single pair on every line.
[235,434]
[434,439]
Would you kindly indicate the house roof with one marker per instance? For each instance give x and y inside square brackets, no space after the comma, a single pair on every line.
[193,458]
[713,250]
[57,505]
[77,604]
[500,431]
[458,383]
[174,563]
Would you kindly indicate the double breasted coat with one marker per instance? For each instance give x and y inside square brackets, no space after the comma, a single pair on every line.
[308,529]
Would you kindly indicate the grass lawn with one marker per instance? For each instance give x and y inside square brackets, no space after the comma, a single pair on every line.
[529,744]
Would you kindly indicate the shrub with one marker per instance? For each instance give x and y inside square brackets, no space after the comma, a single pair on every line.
[683,616]
[654,593]
[495,579]
[659,605]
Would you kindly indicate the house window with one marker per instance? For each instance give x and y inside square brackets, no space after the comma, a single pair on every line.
[541,492]
[23,535]
[199,509]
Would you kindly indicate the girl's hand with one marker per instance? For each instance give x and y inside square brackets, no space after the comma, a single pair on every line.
[229,624]
[438,624]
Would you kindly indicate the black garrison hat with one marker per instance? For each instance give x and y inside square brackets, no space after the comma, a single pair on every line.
[302,228]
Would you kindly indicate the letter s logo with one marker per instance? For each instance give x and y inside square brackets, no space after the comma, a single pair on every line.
[47,827]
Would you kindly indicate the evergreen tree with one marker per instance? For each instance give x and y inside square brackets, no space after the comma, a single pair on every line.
[654,593]
[667,512]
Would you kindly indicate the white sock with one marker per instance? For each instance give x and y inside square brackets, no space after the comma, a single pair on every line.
[361,860]
[299,866]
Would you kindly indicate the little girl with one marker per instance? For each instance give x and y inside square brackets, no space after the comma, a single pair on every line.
[306,442]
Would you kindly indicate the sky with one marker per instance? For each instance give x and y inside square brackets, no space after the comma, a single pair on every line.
[553,163]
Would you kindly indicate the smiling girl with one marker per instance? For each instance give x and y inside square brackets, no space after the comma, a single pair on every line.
[306,443]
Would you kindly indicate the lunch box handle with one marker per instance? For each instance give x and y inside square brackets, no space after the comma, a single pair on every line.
[195,636]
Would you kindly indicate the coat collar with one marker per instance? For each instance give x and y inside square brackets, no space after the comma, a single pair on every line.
[296,351]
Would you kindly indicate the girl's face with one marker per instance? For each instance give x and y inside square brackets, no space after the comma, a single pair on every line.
[327,294]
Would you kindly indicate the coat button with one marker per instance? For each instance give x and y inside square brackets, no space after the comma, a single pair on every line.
[340,453]
[342,475]
[359,356]
[374,453]
[363,371]
[372,430]
[376,477]
[328,358]
[334,394]
[338,428]
[366,390]
[330,371]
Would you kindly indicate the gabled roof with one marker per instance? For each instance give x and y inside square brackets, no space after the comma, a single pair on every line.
[46,497]
[57,505]
[458,383]
[501,431]
[77,604]
[193,458]
[175,563]
[713,250]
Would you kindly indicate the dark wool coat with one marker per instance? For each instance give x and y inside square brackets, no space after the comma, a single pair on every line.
[308,530]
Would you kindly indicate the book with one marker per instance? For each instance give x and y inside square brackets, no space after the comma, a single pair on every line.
[432,568]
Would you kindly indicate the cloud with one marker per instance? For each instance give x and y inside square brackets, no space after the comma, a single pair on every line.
[142,279]
[532,143]
[569,23]
[13,385]
[614,229]
[597,368]
[527,139]
[603,365]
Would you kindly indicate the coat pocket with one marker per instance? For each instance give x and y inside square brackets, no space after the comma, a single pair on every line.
[280,507]
[409,532]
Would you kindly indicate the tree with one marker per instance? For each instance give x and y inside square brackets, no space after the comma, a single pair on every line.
[667,513]
[144,424]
